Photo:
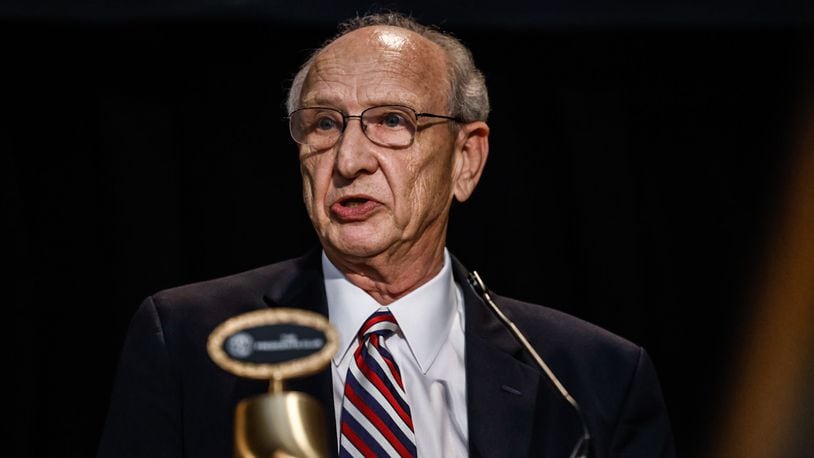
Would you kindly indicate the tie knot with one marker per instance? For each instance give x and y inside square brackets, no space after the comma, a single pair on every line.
[381,323]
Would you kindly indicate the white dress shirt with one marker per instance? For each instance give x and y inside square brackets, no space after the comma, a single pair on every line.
[429,350]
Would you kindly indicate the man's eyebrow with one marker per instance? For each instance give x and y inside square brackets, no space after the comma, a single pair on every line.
[328,101]
[321,101]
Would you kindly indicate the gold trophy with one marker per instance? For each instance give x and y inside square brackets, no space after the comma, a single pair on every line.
[275,345]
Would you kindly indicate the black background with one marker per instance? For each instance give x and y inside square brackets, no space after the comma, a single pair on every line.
[638,157]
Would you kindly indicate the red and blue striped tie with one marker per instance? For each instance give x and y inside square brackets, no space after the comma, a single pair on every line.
[375,418]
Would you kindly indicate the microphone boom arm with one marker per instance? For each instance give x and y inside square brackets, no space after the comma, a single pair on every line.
[582,448]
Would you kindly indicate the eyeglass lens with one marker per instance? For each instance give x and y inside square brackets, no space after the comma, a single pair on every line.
[390,126]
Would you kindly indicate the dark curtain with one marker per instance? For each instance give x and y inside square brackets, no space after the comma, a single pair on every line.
[634,174]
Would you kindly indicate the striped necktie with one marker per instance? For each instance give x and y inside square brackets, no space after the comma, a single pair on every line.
[375,419]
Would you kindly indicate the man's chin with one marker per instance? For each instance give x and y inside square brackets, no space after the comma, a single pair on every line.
[355,253]
[355,249]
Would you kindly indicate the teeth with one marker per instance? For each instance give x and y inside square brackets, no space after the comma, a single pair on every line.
[353,202]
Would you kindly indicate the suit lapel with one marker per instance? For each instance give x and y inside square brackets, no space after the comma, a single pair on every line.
[302,287]
[501,389]
[513,409]
[307,291]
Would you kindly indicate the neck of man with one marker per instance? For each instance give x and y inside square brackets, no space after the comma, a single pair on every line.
[394,273]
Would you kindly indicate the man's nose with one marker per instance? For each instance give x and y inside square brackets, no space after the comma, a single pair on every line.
[355,153]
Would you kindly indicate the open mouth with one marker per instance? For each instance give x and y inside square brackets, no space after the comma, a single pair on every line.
[353,202]
[354,208]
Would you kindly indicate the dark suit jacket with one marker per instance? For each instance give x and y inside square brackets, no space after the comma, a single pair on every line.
[171,400]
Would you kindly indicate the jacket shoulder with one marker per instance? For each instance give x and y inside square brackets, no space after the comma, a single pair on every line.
[613,379]
[245,287]
[546,326]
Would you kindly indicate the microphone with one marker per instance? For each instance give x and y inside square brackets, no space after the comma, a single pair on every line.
[583,446]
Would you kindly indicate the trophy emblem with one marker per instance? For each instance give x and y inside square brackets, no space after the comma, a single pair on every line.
[276,344]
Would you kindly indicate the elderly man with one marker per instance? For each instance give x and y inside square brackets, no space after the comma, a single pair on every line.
[389,118]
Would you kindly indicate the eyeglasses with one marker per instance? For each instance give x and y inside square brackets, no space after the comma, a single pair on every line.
[391,126]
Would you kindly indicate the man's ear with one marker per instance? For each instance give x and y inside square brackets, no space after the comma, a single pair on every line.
[471,150]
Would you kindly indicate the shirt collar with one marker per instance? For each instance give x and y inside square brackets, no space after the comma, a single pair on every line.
[424,315]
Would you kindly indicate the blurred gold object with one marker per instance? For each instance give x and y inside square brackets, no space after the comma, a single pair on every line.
[280,425]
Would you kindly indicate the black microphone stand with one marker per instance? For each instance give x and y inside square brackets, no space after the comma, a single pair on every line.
[582,448]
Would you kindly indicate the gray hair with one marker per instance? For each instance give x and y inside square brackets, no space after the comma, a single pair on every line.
[468,98]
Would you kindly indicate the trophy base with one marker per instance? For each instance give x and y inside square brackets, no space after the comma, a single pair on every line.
[280,425]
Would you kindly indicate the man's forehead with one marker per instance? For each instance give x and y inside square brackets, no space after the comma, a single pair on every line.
[384,38]
[383,45]
[391,57]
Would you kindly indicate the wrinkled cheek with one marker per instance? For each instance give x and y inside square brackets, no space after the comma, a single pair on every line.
[316,180]
[418,195]
[418,199]
[431,194]
[309,192]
